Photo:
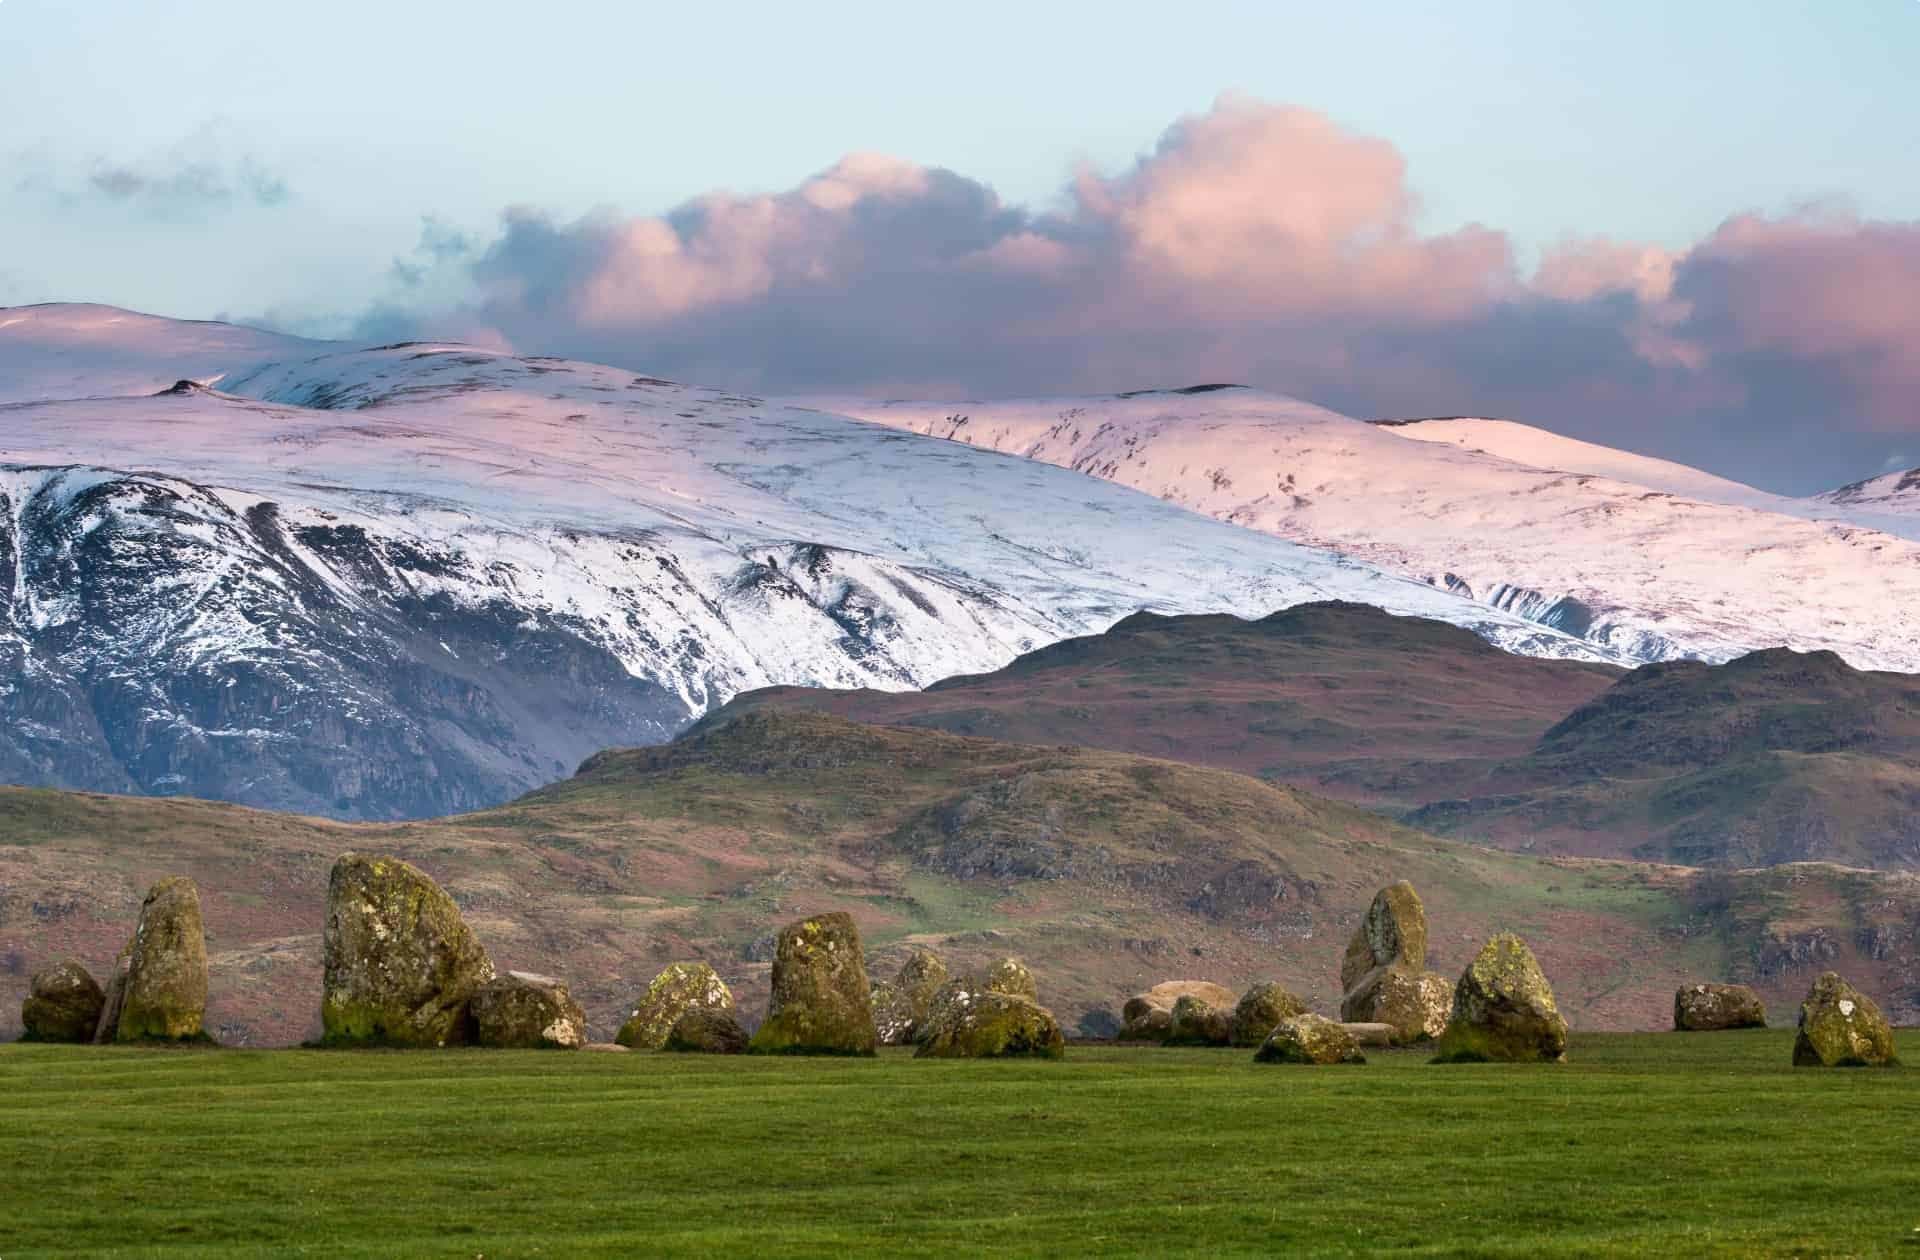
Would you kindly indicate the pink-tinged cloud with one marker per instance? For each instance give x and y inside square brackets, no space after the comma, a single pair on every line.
[1254,243]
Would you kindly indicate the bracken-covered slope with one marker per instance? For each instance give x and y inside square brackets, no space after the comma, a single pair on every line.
[1674,564]
[412,579]
[1106,872]
[1385,711]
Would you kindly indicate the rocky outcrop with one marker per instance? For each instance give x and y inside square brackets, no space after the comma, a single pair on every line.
[1198,1022]
[1713,1007]
[901,1005]
[523,1011]
[1841,1027]
[1383,974]
[978,1023]
[1260,1011]
[706,1030]
[1148,1016]
[679,988]
[1503,1010]
[1309,1038]
[164,997]
[401,966]
[821,1001]
[63,1004]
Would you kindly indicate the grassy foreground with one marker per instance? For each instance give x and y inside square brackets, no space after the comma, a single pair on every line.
[1657,1144]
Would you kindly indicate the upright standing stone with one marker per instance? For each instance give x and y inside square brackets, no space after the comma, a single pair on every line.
[1503,1010]
[1383,973]
[1841,1027]
[63,1004]
[679,988]
[821,1001]
[401,964]
[165,998]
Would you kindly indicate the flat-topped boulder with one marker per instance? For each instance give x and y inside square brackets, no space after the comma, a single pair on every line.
[524,1011]
[1309,1038]
[706,1030]
[1260,1010]
[401,967]
[1148,1016]
[164,997]
[1503,1010]
[982,1023]
[680,987]
[901,1005]
[1841,1027]
[1714,1007]
[821,1002]
[63,1004]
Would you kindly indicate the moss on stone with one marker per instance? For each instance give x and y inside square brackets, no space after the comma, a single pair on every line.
[901,1005]
[1503,1010]
[821,1001]
[706,1030]
[680,987]
[519,1011]
[986,1024]
[1309,1038]
[63,1004]
[165,994]
[1841,1027]
[1713,1007]
[1259,1012]
[1415,1004]
[1198,1022]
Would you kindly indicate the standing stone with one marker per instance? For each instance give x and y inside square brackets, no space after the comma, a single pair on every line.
[1383,974]
[1198,1022]
[1841,1027]
[679,988]
[165,995]
[981,1023]
[1713,1007]
[1503,1010]
[821,1002]
[63,1004]
[523,1011]
[706,1030]
[1149,1016]
[901,1005]
[401,965]
[1309,1038]
[1260,1011]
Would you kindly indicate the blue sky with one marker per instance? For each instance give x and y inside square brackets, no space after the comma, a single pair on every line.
[211,157]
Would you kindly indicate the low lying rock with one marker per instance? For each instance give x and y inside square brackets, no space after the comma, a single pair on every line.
[1503,1010]
[1260,1011]
[987,1024]
[1841,1027]
[1370,1034]
[63,1004]
[680,987]
[706,1030]
[523,1011]
[1309,1039]
[1149,1016]
[1198,1022]
[901,1005]
[605,1047]
[165,993]
[821,1001]
[1713,1007]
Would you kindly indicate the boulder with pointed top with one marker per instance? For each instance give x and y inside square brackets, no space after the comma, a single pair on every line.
[63,1004]
[1260,1011]
[679,988]
[821,1003]
[901,1005]
[401,966]
[1841,1027]
[1503,1010]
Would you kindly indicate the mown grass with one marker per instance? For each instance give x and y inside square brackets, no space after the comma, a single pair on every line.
[1643,1144]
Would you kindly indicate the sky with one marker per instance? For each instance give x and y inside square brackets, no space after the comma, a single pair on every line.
[1691,230]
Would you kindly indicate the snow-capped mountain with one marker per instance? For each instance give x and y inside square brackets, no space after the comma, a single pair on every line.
[1648,558]
[1895,494]
[417,578]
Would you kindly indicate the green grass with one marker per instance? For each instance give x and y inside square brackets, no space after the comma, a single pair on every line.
[1653,1144]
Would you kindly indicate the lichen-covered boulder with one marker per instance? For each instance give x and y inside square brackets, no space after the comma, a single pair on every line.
[981,1023]
[1841,1027]
[821,1001]
[679,988]
[1260,1011]
[1198,1022]
[706,1030]
[401,965]
[523,1011]
[1394,931]
[1416,1004]
[63,1004]
[165,994]
[1011,977]
[901,1005]
[1149,1016]
[1503,1010]
[1309,1038]
[1713,1007]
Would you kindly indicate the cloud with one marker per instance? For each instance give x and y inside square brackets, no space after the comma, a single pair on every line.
[191,179]
[1255,243]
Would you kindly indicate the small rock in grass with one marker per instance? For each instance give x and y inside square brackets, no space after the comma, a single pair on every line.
[1309,1039]
[523,1011]
[1841,1027]
[1713,1007]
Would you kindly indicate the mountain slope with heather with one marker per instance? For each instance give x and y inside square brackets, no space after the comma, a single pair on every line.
[1106,872]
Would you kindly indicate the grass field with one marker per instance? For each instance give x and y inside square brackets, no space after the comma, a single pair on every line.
[1656,1144]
